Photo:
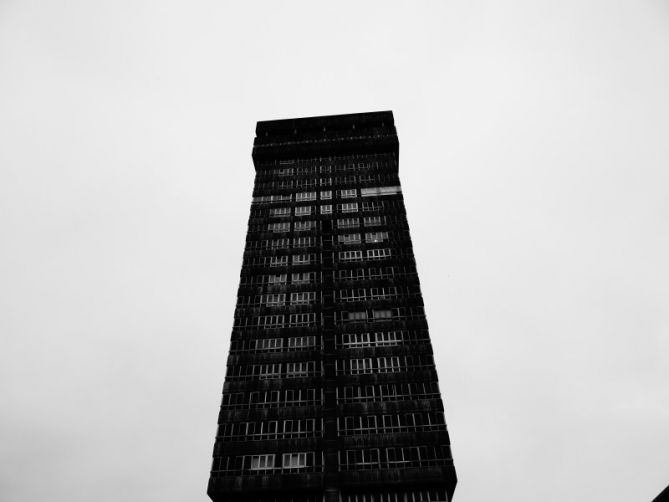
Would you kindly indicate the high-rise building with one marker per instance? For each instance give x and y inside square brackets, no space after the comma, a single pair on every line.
[331,391]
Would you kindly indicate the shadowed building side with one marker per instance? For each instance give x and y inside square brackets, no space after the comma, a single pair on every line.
[331,392]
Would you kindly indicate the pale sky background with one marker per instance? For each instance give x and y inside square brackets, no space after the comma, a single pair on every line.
[534,140]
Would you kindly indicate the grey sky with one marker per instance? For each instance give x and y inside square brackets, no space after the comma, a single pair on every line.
[534,134]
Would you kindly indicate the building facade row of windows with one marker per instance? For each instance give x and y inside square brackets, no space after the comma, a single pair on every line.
[372,315]
[310,225]
[367,206]
[271,399]
[354,256]
[279,320]
[386,364]
[342,341]
[296,278]
[393,209]
[371,294]
[306,211]
[274,370]
[418,421]
[271,429]
[362,255]
[285,260]
[271,184]
[260,345]
[303,226]
[306,319]
[346,193]
[339,163]
[379,339]
[291,462]
[424,495]
[339,275]
[319,166]
[400,457]
[340,295]
[349,394]
[353,366]
[349,425]
[280,299]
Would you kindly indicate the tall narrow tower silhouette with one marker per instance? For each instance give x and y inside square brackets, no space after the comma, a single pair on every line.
[331,391]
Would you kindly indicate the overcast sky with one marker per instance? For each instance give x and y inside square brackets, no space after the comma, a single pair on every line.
[534,139]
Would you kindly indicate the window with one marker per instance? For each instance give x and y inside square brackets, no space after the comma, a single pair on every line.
[352,295]
[388,364]
[268,370]
[294,460]
[302,242]
[270,321]
[352,340]
[348,222]
[357,316]
[349,239]
[351,275]
[305,183]
[357,366]
[303,259]
[305,196]
[382,314]
[302,319]
[269,343]
[349,207]
[377,254]
[280,212]
[388,337]
[298,342]
[300,369]
[376,236]
[273,198]
[373,205]
[326,194]
[304,298]
[383,293]
[303,277]
[348,194]
[378,191]
[279,243]
[326,209]
[278,261]
[262,462]
[362,459]
[325,182]
[303,211]
[374,221]
[302,226]
[275,300]
[277,279]
[381,273]
[299,428]
[350,255]
[279,227]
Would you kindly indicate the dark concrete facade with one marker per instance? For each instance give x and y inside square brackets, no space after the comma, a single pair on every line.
[331,392]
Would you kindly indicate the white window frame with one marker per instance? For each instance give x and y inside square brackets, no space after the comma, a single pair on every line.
[305,196]
[262,462]
[303,211]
